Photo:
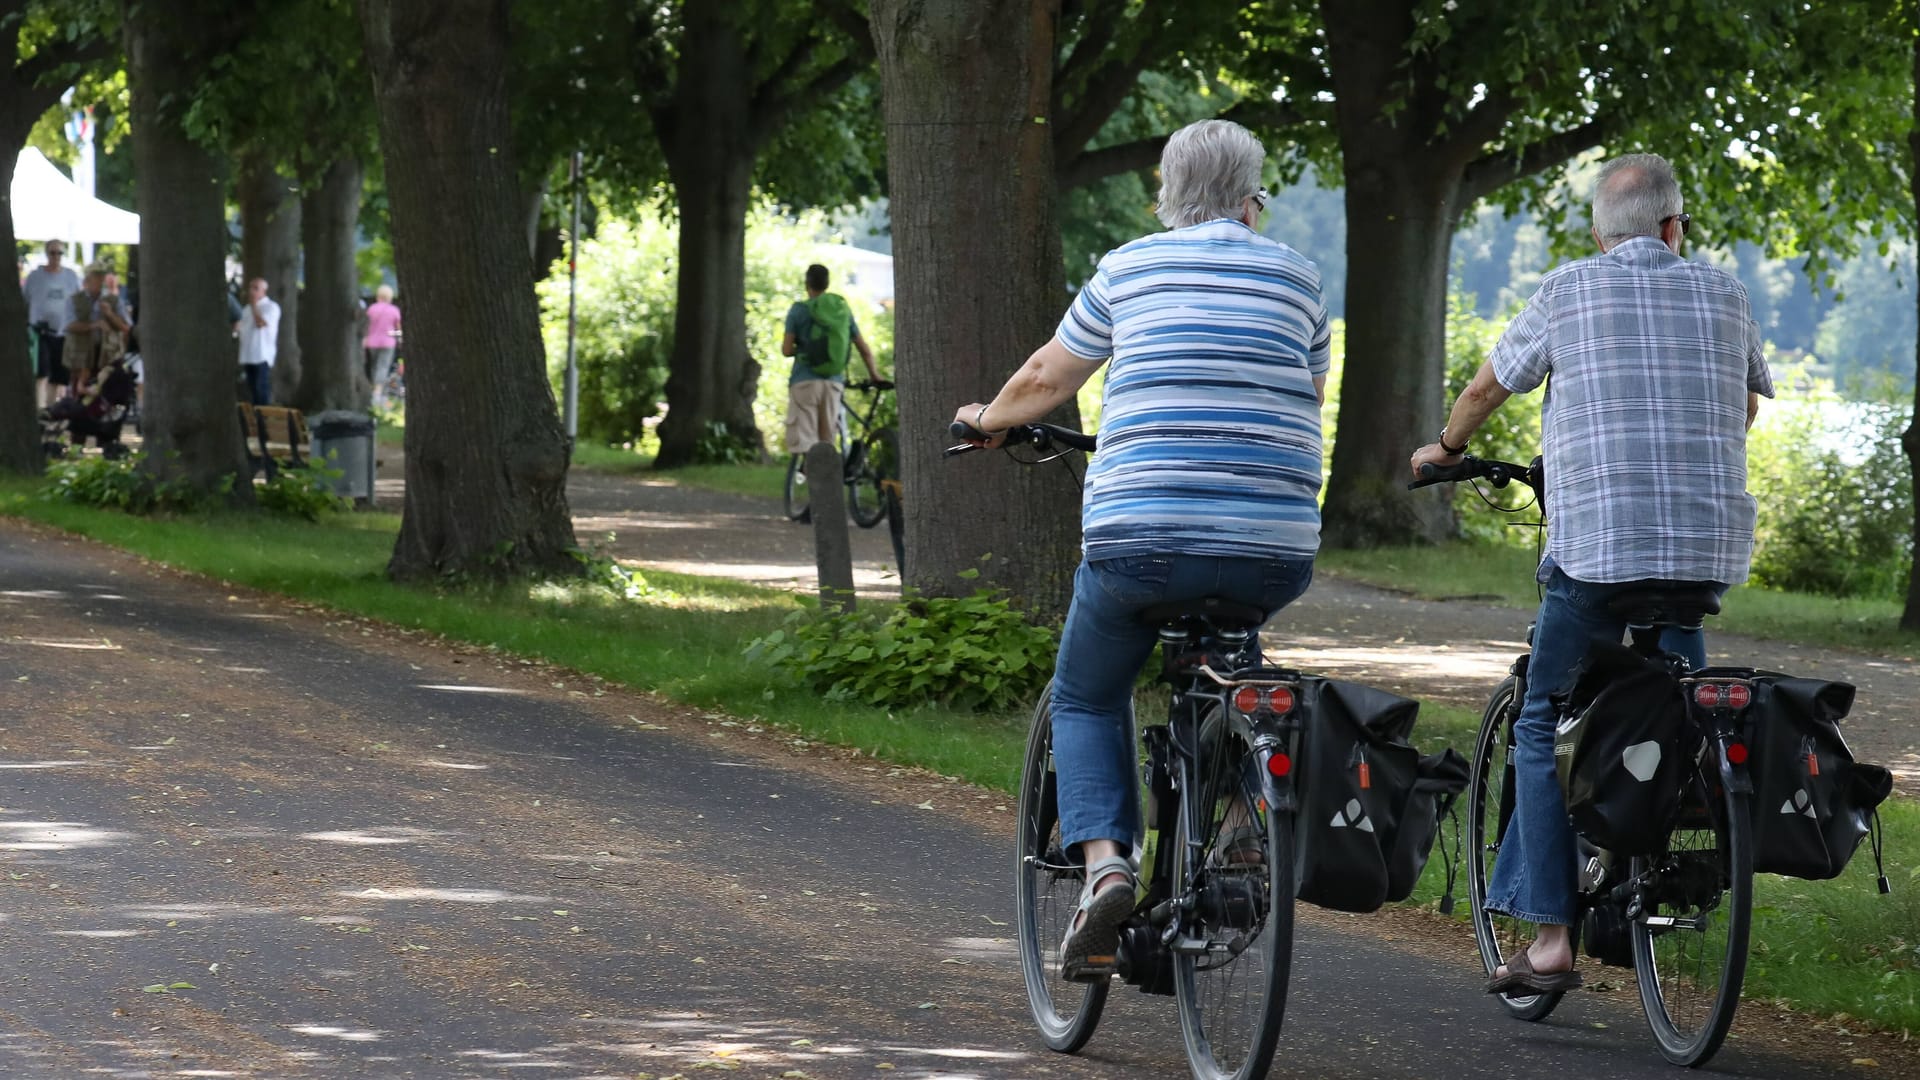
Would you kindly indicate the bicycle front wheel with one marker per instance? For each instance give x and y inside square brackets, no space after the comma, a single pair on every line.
[1690,938]
[1047,889]
[796,500]
[1235,950]
[1489,809]
[866,495]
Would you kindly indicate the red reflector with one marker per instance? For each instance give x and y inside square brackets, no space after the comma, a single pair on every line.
[1738,695]
[1280,700]
[1247,698]
[1366,776]
[1707,695]
[1813,764]
[1736,753]
[1279,764]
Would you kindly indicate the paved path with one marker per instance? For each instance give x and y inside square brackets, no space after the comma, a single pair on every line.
[375,856]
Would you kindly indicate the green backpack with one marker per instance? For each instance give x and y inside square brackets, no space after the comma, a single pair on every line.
[829,335]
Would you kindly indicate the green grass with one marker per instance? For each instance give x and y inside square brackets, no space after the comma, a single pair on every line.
[766,481]
[1504,574]
[1824,946]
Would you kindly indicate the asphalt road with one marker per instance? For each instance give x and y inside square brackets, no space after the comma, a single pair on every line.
[244,838]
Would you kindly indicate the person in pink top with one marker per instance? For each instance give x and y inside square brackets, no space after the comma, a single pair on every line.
[383,334]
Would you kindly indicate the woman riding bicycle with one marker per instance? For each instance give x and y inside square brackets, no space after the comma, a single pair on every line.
[1206,480]
[1657,374]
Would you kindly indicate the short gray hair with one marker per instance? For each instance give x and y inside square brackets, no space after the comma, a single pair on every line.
[1635,193]
[1207,171]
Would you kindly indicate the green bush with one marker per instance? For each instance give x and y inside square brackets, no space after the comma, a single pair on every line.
[303,493]
[119,484]
[971,652]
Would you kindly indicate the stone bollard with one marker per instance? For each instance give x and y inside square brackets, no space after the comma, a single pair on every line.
[832,547]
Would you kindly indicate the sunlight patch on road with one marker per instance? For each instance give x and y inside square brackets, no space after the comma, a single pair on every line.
[98,933]
[258,615]
[457,896]
[53,764]
[379,834]
[515,1059]
[244,670]
[985,948]
[186,912]
[456,688]
[89,645]
[331,1032]
[32,594]
[453,764]
[55,836]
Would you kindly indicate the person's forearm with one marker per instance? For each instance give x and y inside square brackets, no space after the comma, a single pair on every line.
[1045,382]
[1482,396]
[1753,408]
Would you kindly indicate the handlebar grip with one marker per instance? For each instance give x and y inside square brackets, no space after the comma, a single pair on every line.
[960,429]
[1431,474]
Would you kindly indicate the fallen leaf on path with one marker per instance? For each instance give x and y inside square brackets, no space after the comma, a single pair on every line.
[926,1005]
[993,920]
[928,805]
[1866,1063]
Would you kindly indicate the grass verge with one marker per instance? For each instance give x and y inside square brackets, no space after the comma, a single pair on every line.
[764,481]
[1830,947]
[1501,574]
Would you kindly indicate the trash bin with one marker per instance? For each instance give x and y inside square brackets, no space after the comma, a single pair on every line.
[343,440]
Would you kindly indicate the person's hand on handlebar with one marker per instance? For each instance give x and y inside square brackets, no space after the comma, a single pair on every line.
[970,416]
[1432,453]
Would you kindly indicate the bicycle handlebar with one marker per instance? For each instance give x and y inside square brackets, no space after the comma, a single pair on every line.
[883,384]
[1038,436]
[1497,473]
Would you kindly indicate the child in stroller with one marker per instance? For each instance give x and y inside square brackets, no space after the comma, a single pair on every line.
[97,408]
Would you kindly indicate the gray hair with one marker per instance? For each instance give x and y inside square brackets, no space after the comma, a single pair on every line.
[1635,193]
[1207,171]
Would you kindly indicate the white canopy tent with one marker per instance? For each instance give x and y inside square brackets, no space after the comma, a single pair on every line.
[47,206]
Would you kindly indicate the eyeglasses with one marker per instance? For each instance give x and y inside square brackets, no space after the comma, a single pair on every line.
[1259,199]
[56,250]
[1685,220]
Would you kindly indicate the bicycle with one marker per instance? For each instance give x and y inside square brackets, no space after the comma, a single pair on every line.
[1213,925]
[1680,917]
[869,463]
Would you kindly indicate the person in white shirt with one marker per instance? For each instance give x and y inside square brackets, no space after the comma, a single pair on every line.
[259,329]
[49,289]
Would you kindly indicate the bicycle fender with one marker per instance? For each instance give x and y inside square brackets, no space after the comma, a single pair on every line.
[1277,790]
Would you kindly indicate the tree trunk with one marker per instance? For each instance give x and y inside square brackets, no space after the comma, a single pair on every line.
[333,365]
[1910,439]
[711,377]
[19,423]
[1400,224]
[970,164]
[191,429]
[486,460]
[270,249]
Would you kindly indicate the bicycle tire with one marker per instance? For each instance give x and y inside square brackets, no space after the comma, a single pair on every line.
[796,500]
[1046,900]
[866,496]
[1667,988]
[1210,866]
[1489,808]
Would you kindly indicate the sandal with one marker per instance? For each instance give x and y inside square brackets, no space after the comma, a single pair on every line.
[1242,848]
[1089,953]
[1521,980]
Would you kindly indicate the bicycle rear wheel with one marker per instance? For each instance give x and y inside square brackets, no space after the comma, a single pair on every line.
[1690,941]
[796,499]
[1231,965]
[1489,809]
[1047,890]
[866,497]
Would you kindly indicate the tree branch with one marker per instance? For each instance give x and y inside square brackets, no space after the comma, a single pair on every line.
[48,61]
[773,87]
[1088,166]
[1100,24]
[652,76]
[1491,172]
[847,17]
[769,114]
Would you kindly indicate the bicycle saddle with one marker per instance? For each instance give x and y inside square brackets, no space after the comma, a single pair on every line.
[1665,605]
[1212,610]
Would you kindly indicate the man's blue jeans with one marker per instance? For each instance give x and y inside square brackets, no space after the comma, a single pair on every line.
[1101,653]
[1534,877]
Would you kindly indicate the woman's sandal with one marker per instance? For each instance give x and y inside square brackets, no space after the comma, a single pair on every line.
[1090,950]
[1521,980]
[1241,847]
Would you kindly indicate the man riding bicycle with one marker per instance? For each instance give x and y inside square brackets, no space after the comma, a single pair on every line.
[1657,374]
[1206,480]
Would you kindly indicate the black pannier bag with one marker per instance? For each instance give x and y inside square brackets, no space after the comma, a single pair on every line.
[1812,803]
[1368,803]
[1620,749]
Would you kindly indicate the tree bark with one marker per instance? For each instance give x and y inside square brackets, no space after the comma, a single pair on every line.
[711,377]
[19,424]
[1910,439]
[486,459]
[970,165]
[333,368]
[270,249]
[192,432]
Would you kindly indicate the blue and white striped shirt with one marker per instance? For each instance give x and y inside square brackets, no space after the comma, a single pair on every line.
[1210,428]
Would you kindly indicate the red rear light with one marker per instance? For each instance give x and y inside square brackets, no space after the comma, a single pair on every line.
[1707,695]
[1279,764]
[1736,753]
[1280,700]
[1738,695]
[1247,699]
[1731,695]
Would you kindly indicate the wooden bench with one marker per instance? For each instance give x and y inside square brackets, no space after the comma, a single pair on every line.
[273,437]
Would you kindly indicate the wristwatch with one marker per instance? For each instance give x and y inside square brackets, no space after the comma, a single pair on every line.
[1455,451]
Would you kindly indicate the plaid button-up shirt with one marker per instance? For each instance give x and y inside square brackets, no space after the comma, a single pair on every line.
[1644,424]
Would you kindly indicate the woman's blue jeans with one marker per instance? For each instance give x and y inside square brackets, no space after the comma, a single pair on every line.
[1102,650]
[1535,874]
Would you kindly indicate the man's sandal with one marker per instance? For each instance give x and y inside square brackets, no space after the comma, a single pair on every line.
[1090,950]
[1521,980]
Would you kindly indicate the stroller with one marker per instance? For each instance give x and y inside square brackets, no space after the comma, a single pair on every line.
[97,409]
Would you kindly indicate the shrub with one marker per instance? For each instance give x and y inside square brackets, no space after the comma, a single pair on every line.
[973,652]
[302,493]
[119,484]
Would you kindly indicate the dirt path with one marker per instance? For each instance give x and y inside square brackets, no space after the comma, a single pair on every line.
[1454,652]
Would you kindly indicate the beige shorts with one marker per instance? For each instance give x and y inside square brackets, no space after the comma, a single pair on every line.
[813,413]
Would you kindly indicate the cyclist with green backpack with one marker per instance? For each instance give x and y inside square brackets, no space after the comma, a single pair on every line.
[821,333]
